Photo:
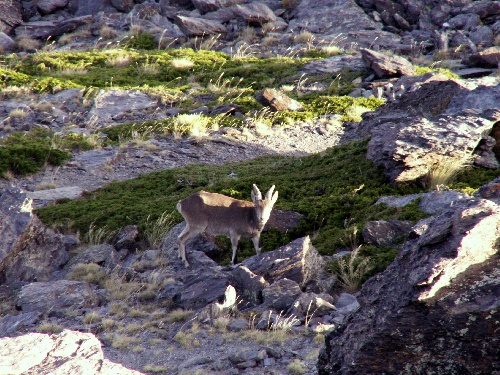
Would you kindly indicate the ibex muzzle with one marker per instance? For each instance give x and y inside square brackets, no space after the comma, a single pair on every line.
[215,214]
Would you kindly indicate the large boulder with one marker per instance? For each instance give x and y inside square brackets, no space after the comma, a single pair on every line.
[55,297]
[386,66]
[66,353]
[10,15]
[434,308]
[298,261]
[194,26]
[29,251]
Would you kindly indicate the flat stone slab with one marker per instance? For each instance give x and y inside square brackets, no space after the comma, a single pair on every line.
[71,192]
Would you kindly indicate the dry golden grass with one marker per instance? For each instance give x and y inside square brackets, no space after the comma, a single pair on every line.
[443,169]
[25,43]
[182,63]
[91,317]
[18,113]
[120,60]
[90,273]
[47,327]
[124,342]
[179,315]
[107,32]
[304,37]
[296,367]
[155,369]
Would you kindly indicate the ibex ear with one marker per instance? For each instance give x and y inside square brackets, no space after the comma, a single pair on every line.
[256,194]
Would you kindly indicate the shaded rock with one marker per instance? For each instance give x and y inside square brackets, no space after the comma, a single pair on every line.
[254,13]
[10,15]
[93,158]
[10,324]
[44,29]
[281,295]
[68,352]
[298,261]
[488,58]
[278,101]
[387,66]
[6,43]
[283,220]
[465,21]
[482,36]
[248,285]
[441,297]
[226,109]
[103,255]
[84,8]
[205,6]
[474,72]
[216,309]
[37,253]
[490,191]
[50,6]
[385,233]
[15,216]
[333,18]
[123,5]
[127,238]
[237,325]
[334,64]
[55,297]
[195,287]
[192,26]
[308,305]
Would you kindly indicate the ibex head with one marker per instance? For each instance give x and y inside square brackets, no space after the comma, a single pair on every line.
[263,207]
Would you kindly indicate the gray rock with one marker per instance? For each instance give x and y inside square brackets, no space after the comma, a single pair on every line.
[123,5]
[482,36]
[70,192]
[206,6]
[15,216]
[34,255]
[444,292]
[237,325]
[308,305]
[55,297]
[387,66]
[195,361]
[68,352]
[192,26]
[385,233]
[127,238]
[278,101]
[10,15]
[409,148]
[50,6]
[298,261]
[94,158]
[331,18]
[116,106]
[44,29]
[281,295]
[103,254]
[6,43]
[488,58]
[254,13]
[249,286]
[466,21]
[334,64]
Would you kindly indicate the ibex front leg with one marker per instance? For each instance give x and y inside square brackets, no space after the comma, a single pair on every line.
[235,238]
[256,241]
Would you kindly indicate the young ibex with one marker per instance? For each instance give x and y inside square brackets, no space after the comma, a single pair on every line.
[215,214]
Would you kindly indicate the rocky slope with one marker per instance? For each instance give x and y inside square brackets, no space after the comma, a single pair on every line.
[434,309]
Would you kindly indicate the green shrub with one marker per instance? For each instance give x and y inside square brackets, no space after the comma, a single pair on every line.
[52,85]
[26,153]
[141,41]
[13,78]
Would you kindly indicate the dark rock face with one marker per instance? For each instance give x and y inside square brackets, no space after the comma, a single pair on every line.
[435,309]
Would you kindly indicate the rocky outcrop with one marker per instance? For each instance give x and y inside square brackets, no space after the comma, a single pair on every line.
[68,352]
[29,251]
[56,297]
[431,309]
[278,101]
[386,66]
[430,123]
